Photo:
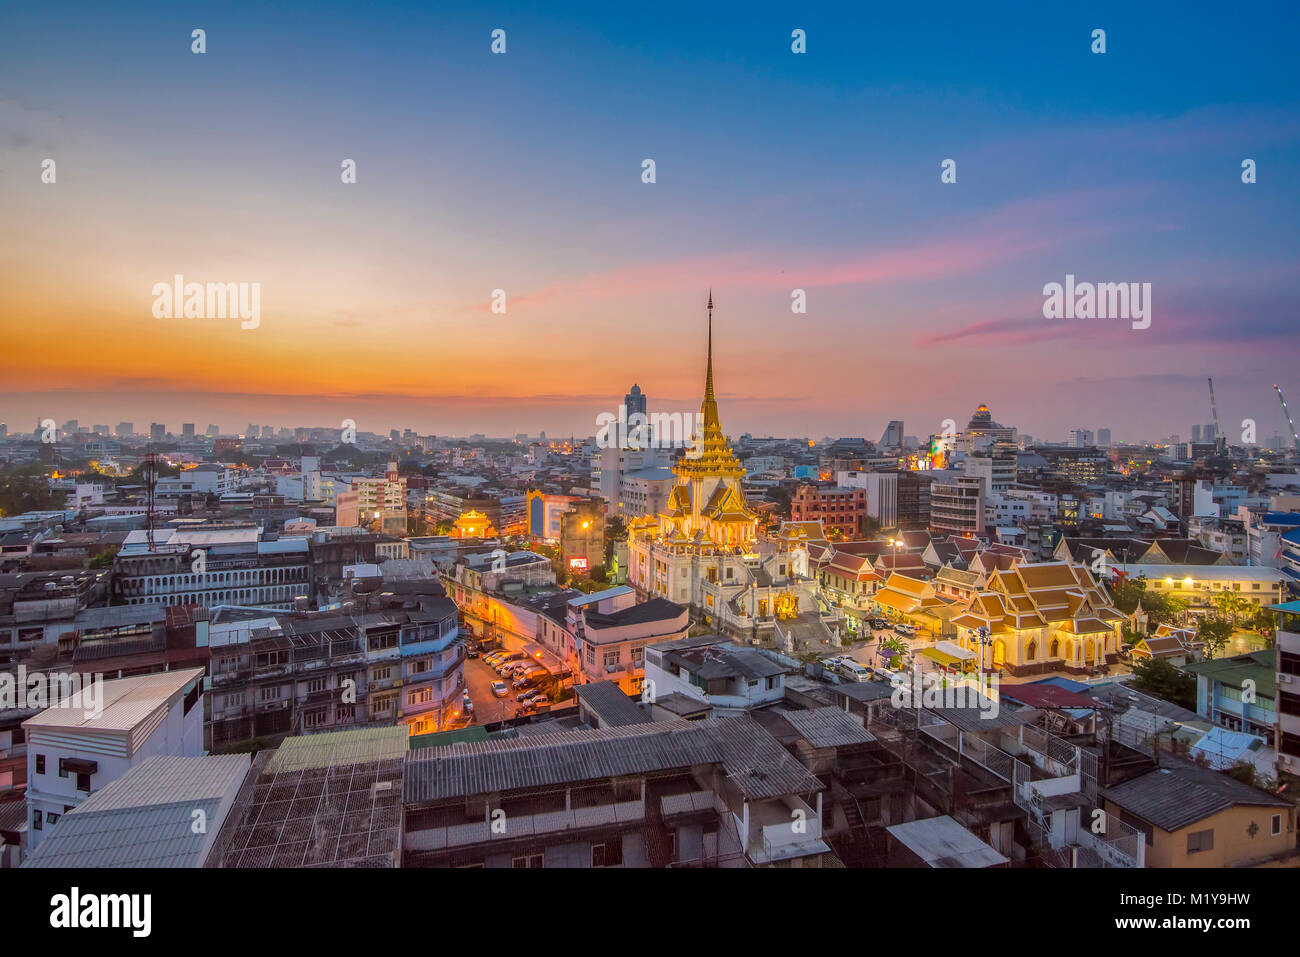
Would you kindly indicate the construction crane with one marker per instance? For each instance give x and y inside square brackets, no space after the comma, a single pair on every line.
[1220,440]
[1295,439]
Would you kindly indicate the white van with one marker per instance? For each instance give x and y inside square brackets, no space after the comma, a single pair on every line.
[853,671]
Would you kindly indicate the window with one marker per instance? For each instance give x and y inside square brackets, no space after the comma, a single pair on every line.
[40,764]
[51,817]
[609,854]
[1277,825]
[527,860]
[36,820]
[1199,841]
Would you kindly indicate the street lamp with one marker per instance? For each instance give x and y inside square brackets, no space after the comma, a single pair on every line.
[984,638]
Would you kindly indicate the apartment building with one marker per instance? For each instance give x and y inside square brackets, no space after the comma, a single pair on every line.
[957,505]
[840,510]
[211,565]
[661,794]
[73,750]
[1288,693]
[731,679]
[398,659]
[610,635]
[1198,585]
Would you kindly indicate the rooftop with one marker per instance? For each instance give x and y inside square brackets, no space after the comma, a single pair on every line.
[126,703]
[146,817]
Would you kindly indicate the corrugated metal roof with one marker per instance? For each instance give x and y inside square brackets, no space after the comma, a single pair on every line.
[340,748]
[943,842]
[828,727]
[611,705]
[1172,798]
[159,835]
[126,703]
[164,778]
[753,760]
[146,817]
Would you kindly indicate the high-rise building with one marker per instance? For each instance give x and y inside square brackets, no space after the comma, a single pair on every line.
[125,430]
[1103,438]
[1196,433]
[634,401]
[957,504]
[213,431]
[70,427]
[187,431]
[157,431]
[1080,438]
[893,437]
[982,432]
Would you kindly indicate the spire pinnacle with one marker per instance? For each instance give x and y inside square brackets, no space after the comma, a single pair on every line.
[710,406]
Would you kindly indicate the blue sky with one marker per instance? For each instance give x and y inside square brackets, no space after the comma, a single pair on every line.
[774,171]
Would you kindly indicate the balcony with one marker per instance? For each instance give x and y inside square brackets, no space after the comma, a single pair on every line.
[522,826]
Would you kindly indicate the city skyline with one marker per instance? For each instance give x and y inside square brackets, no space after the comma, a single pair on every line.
[818,172]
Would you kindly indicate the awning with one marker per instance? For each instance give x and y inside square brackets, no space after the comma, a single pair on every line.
[896,600]
[956,650]
[934,654]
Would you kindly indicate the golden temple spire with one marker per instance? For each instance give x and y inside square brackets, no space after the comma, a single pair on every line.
[710,406]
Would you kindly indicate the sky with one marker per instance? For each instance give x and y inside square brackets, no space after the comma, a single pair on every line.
[774,171]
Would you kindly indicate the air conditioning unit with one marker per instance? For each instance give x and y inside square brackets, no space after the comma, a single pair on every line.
[1284,678]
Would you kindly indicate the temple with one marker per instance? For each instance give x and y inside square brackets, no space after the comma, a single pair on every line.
[704,550]
[707,506]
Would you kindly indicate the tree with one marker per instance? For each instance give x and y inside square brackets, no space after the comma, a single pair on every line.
[1160,679]
[1231,604]
[1161,609]
[1215,632]
[1263,621]
[27,489]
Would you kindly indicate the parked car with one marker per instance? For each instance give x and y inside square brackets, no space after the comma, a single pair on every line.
[523,681]
[499,689]
[878,623]
[466,703]
[537,703]
[493,658]
[528,695]
[471,652]
[904,629]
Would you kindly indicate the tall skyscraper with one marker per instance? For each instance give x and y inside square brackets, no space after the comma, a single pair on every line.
[157,431]
[187,430]
[634,401]
[893,437]
[1196,433]
[1103,438]
[125,430]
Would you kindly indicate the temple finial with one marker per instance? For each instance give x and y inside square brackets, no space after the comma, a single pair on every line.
[710,405]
